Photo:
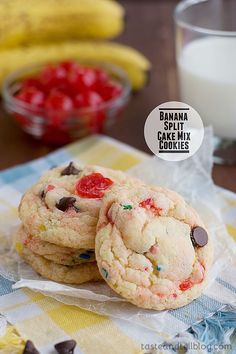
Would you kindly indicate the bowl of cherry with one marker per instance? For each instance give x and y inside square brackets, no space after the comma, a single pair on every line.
[61,102]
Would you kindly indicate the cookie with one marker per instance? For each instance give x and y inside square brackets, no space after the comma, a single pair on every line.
[63,207]
[54,253]
[77,274]
[152,248]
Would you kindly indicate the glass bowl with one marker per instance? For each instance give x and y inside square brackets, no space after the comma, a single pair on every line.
[64,127]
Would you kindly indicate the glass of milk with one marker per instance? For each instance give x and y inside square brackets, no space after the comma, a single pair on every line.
[206,60]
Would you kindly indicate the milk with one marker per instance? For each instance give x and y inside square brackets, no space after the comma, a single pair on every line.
[207,77]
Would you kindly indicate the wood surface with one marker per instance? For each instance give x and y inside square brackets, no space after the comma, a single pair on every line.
[149,28]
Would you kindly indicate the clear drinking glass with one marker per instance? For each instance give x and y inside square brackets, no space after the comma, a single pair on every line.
[206,61]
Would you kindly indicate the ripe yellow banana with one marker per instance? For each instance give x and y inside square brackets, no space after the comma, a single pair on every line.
[34,22]
[133,62]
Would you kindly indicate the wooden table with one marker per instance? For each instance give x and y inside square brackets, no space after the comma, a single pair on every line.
[150,29]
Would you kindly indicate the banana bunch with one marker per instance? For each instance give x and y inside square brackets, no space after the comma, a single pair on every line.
[30,21]
[130,60]
[46,31]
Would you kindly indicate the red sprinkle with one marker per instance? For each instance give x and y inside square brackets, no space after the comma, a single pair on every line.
[149,204]
[174,295]
[93,185]
[146,268]
[186,284]
[50,187]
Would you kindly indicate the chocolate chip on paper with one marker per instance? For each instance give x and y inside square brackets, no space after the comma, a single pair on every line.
[30,348]
[66,347]
[70,170]
[199,236]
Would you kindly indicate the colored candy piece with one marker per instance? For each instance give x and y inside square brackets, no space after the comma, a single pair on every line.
[196,277]
[186,284]
[50,187]
[19,247]
[127,207]
[65,203]
[199,236]
[158,267]
[42,227]
[66,347]
[93,185]
[104,273]
[30,348]
[84,256]
[149,204]
[70,170]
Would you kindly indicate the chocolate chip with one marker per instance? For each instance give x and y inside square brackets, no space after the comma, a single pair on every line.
[30,348]
[65,203]
[199,236]
[70,170]
[66,347]
[42,194]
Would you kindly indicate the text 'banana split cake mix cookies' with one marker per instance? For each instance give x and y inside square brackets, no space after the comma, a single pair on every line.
[63,207]
[152,248]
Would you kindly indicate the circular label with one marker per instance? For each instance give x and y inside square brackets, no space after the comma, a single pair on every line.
[174,131]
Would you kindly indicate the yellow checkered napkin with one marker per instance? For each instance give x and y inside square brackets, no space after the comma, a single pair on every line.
[46,321]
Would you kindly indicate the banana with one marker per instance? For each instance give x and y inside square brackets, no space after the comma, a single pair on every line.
[34,22]
[130,60]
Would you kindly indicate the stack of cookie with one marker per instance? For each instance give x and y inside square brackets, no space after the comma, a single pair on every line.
[59,216]
[81,224]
